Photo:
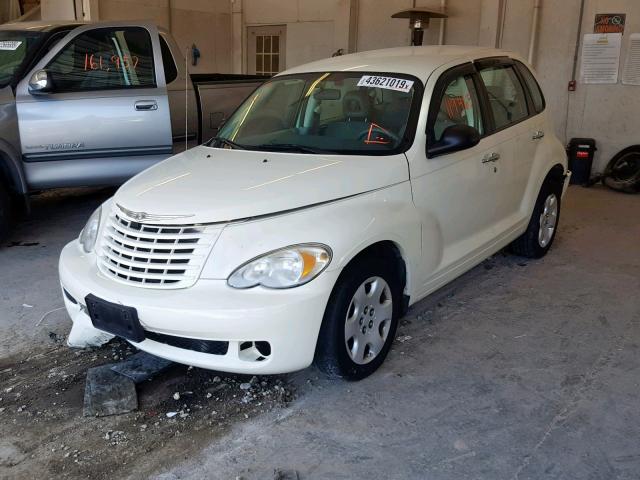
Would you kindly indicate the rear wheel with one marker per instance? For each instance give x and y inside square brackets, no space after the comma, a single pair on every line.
[536,241]
[361,319]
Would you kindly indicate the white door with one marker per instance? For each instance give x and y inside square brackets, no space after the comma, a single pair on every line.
[457,194]
[513,123]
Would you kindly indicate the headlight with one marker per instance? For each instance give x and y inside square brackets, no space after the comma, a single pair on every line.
[284,268]
[89,233]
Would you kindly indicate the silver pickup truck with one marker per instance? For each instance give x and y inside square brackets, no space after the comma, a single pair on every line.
[94,104]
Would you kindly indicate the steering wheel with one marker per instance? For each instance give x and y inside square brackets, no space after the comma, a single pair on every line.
[371,135]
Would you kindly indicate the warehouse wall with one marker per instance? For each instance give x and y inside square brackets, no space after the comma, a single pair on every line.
[608,113]
[314,29]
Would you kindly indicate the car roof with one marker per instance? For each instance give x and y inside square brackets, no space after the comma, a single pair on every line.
[40,26]
[417,61]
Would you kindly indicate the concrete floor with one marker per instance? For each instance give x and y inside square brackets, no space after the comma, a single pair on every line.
[517,370]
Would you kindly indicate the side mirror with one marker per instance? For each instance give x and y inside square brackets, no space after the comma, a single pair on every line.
[39,83]
[454,138]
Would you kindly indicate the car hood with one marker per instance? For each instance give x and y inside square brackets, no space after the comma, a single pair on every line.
[208,185]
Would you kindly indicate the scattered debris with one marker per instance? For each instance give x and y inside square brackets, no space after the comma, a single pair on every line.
[23,244]
[403,338]
[285,475]
[114,437]
[55,337]
[176,396]
[108,393]
[48,388]
[26,305]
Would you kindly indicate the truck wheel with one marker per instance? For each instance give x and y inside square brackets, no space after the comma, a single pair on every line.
[5,212]
[536,241]
[360,321]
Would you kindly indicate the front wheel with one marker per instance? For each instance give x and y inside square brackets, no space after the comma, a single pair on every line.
[536,241]
[360,321]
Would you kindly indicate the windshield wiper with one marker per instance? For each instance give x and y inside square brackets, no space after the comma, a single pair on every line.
[225,141]
[288,147]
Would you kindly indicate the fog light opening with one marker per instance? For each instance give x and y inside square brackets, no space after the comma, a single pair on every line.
[254,351]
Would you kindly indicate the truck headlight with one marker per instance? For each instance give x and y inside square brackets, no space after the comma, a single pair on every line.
[89,233]
[284,268]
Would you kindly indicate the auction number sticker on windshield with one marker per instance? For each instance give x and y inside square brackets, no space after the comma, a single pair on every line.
[10,44]
[390,83]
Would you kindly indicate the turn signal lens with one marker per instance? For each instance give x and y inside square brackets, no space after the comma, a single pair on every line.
[286,268]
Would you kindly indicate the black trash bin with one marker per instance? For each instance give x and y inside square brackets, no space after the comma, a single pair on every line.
[580,152]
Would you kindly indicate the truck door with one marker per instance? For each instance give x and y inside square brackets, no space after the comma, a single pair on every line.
[104,117]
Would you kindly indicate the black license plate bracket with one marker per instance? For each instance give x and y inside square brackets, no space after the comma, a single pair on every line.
[115,319]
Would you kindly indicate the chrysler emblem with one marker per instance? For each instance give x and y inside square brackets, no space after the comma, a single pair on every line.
[142,216]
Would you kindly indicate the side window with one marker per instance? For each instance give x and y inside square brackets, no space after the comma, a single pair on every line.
[170,69]
[54,39]
[458,106]
[104,59]
[506,96]
[532,85]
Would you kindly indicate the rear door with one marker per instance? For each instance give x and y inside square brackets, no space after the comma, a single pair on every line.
[107,115]
[512,124]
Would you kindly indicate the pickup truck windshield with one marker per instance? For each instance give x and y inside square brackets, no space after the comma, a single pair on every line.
[15,47]
[334,112]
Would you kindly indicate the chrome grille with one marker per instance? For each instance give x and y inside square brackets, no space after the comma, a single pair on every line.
[153,256]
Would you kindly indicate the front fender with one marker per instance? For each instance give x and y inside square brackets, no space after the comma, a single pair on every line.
[348,226]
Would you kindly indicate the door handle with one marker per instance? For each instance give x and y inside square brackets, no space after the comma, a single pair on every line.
[144,105]
[491,157]
[537,135]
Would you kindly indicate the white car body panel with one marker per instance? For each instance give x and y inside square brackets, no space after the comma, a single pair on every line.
[444,215]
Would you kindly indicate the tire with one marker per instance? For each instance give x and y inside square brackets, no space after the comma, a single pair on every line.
[535,242]
[6,213]
[623,171]
[378,280]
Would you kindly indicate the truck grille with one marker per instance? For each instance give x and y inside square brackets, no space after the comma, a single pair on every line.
[154,256]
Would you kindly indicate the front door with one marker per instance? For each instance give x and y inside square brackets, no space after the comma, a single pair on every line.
[457,193]
[106,116]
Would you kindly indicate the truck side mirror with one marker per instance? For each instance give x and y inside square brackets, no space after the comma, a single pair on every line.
[454,138]
[40,83]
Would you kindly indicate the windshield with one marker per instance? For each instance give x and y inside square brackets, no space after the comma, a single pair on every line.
[14,49]
[335,112]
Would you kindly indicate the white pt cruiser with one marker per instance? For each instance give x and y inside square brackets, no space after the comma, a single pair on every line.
[338,194]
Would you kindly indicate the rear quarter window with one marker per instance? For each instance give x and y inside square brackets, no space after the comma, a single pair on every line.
[532,86]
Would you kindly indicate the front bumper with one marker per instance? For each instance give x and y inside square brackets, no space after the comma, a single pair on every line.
[289,320]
